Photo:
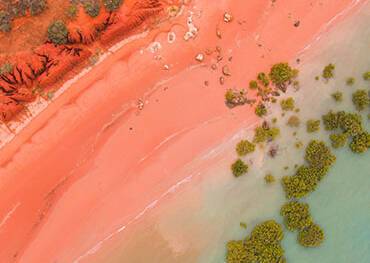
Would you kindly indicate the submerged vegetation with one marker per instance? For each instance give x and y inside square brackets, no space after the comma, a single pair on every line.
[239,168]
[328,71]
[262,245]
[287,104]
[244,147]
[343,127]
[312,125]
[337,96]
[311,236]
[296,215]
[265,134]
[361,99]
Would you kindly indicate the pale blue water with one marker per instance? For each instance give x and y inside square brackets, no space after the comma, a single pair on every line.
[341,205]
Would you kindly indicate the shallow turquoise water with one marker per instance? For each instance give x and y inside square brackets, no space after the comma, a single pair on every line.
[341,205]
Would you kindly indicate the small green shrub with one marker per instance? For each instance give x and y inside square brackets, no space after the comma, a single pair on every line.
[350,81]
[6,68]
[366,75]
[37,7]
[281,74]
[303,182]
[253,84]
[262,245]
[263,134]
[235,98]
[350,123]
[311,236]
[112,5]
[5,21]
[313,126]
[328,71]
[360,142]
[71,11]
[239,168]
[58,33]
[360,99]
[287,104]
[337,96]
[269,179]
[261,110]
[338,139]
[318,155]
[92,8]
[236,251]
[331,120]
[244,147]
[263,78]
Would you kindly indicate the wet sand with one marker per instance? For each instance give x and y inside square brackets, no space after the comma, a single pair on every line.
[92,161]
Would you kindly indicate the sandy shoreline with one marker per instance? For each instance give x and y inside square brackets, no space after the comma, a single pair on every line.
[78,148]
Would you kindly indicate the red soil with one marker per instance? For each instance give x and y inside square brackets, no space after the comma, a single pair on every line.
[45,65]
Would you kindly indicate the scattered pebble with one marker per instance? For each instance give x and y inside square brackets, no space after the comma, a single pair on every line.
[226,70]
[166,67]
[199,57]
[222,80]
[228,17]
[171,37]
[297,23]
[214,66]
[218,33]
[206,83]
[140,104]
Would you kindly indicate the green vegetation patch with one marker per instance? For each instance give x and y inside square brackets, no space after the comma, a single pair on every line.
[350,123]
[5,21]
[244,147]
[318,155]
[296,215]
[263,134]
[311,236]
[287,104]
[112,5]
[235,98]
[261,110]
[239,168]
[312,125]
[366,75]
[253,84]
[328,71]
[263,78]
[361,99]
[262,245]
[92,7]
[338,140]
[303,182]
[360,142]
[269,179]
[58,33]
[281,74]
[37,7]
[337,96]
[350,81]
